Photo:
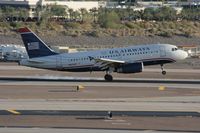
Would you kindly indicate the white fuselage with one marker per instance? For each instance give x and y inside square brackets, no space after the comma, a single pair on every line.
[150,54]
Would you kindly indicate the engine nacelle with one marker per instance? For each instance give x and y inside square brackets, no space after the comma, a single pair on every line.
[131,68]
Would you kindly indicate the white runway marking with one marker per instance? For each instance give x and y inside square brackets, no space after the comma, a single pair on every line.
[53,130]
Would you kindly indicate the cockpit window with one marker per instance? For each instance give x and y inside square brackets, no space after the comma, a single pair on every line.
[174,49]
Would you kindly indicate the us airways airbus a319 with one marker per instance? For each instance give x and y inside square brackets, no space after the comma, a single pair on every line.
[121,60]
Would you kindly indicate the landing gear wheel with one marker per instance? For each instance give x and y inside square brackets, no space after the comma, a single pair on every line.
[108,77]
[164,72]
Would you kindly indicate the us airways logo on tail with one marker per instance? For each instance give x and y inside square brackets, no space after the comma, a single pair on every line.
[33,46]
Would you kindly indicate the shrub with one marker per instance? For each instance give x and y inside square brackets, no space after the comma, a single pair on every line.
[15,25]
[109,20]
[94,33]
[166,34]
[72,25]
[188,34]
[130,25]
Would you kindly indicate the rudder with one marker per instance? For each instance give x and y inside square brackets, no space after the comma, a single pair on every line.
[35,47]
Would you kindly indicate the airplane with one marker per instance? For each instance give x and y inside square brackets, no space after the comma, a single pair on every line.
[130,59]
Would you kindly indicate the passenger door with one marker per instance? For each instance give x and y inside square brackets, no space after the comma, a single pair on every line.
[58,62]
[162,51]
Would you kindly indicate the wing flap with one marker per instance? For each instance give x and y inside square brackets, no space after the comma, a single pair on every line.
[105,63]
[111,60]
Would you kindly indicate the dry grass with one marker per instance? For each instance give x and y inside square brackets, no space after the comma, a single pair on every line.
[150,28]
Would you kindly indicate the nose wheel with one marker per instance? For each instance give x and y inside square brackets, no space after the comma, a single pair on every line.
[108,77]
[163,71]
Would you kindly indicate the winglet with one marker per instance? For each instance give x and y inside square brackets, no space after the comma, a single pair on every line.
[24,30]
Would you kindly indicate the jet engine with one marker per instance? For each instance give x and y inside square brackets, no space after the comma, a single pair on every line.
[130,68]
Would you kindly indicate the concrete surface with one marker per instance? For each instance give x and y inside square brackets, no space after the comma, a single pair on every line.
[97,96]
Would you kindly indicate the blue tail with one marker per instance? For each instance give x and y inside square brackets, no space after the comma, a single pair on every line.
[35,47]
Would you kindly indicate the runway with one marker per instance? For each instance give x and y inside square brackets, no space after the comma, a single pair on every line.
[61,130]
[100,114]
[49,101]
[136,95]
[101,80]
[99,105]
[85,81]
[12,70]
[120,123]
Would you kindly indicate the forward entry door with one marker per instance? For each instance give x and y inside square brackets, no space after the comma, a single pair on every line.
[59,62]
[162,51]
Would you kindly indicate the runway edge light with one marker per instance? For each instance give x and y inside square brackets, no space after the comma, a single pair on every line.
[80,87]
[13,111]
[161,88]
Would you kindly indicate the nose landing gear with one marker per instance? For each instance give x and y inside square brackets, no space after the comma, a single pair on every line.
[163,71]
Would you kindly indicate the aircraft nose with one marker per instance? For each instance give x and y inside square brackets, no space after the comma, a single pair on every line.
[181,55]
[185,54]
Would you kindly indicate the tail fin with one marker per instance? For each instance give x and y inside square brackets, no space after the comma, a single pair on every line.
[35,47]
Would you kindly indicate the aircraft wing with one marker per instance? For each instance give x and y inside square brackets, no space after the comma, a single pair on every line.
[104,63]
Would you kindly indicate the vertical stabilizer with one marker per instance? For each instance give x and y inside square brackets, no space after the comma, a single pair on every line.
[35,47]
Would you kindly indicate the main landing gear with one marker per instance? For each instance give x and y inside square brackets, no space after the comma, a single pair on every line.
[163,71]
[108,77]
